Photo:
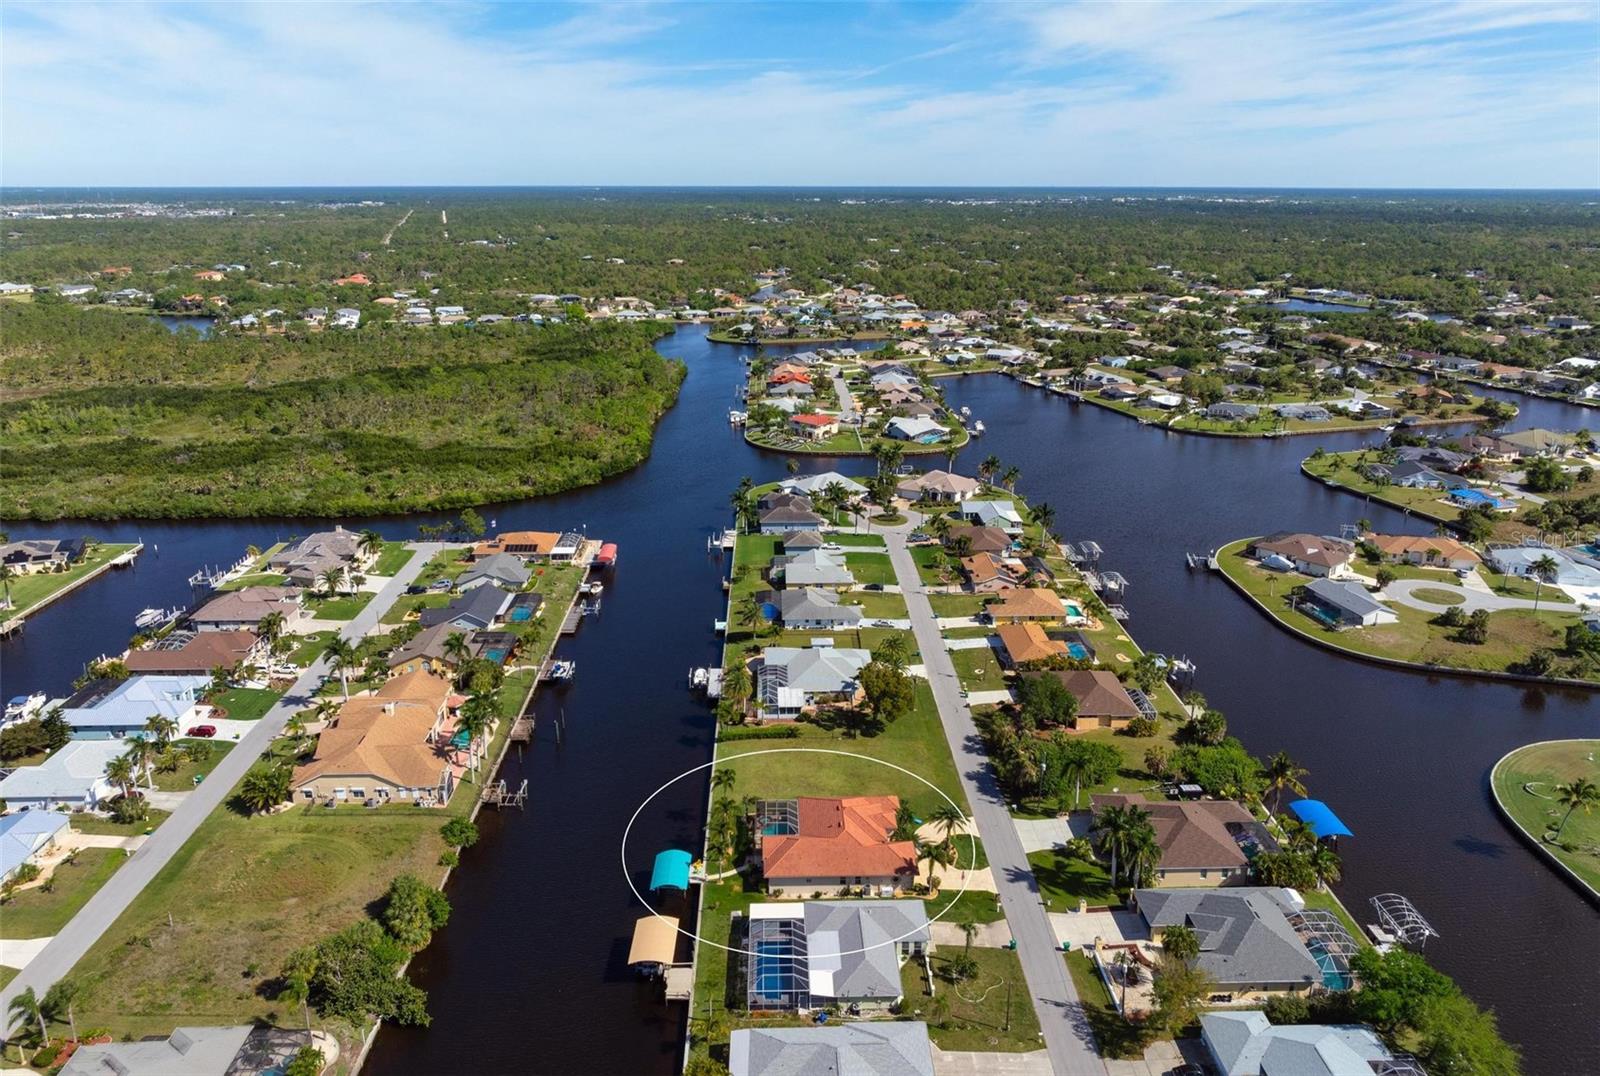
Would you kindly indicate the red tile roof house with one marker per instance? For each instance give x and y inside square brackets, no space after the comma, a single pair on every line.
[1311,554]
[814,427]
[834,843]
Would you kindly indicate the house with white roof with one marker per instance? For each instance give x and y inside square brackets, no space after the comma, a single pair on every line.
[125,708]
[1248,1044]
[882,1048]
[823,954]
[24,835]
[791,680]
[74,776]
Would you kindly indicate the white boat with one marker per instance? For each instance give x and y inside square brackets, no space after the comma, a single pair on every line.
[561,670]
[24,706]
[595,587]
[977,428]
[966,412]
[151,617]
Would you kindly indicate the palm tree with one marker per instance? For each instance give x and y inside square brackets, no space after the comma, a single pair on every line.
[740,499]
[161,728]
[60,999]
[939,527]
[1543,571]
[935,854]
[270,626]
[1143,852]
[1282,773]
[263,788]
[140,752]
[749,611]
[120,772]
[1009,478]
[1113,832]
[1044,516]
[371,542]
[331,580]
[344,660]
[1579,795]
[949,819]
[6,574]
[1074,768]
[889,455]
[969,930]
[1325,862]
[736,683]
[456,648]
[989,467]
[723,779]
[25,1007]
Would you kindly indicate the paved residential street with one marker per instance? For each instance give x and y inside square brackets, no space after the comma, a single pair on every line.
[64,951]
[1068,1040]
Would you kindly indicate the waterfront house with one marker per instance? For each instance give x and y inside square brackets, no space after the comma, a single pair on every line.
[987,573]
[798,541]
[918,429]
[480,607]
[1520,559]
[1122,392]
[1310,554]
[242,609]
[832,954]
[791,680]
[1103,703]
[1031,603]
[529,545]
[306,561]
[42,554]
[813,609]
[429,651]
[1226,411]
[188,1051]
[125,707]
[814,427]
[941,487]
[979,539]
[390,743]
[196,653]
[1411,474]
[25,835]
[1248,944]
[813,484]
[884,1048]
[499,569]
[785,518]
[1248,1044]
[1303,412]
[1347,604]
[1001,515]
[74,777]
[1430,552]
[813,568]
[1022,643]
[814,842]
[1202,842]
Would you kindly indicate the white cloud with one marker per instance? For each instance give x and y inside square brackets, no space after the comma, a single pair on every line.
[1235,93]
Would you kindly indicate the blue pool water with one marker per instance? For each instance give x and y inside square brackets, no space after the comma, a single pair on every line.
[773,973]
[520,615]
[769,610]
[1077,651]
[495,654]
[1074,610]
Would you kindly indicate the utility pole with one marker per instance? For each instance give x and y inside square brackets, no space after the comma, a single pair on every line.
[1008,1005]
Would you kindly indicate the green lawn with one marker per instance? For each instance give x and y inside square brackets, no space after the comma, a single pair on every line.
[930,559]
[183,778]
[992,1011]
[856,541]
[88,823]
[1317,898]
[343,607]
[979,670]
[409,603]
[244,703]
[878,605]
[35,913]
[1114,1036]
[1524,783]
[915,742]
[255,579]
[29,590]
[1064,880]
[310,647]
[969,853]
[956,604]
[1513,633]
[1515,586]
[969,907]
[870,567]
[394,556]
[1344,469]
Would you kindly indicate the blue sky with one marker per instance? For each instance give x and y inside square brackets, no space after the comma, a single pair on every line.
[1231,93]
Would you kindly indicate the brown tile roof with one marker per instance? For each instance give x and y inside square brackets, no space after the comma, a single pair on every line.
[1192,835]
[248,604]
[1099,693]
[1028,642]
[841,838]
[1034,603]
[984,539]
[536,543]
[981,568]
[1398,545]
[1311,548]
[206,651]
[384,735]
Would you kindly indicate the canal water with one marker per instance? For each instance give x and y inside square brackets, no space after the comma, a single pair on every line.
[529,975]
[174,323]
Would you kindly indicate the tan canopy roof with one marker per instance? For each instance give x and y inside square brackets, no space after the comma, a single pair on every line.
[655,940]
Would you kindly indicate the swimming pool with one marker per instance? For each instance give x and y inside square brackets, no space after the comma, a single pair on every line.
[1074,610]
[1077,652]
[769,610]
[496,654]
[521,614]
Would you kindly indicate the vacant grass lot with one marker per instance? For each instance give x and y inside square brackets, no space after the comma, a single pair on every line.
[878,605]
[870,567]
[343,607]
[182,779]
[394,556]
[991,1011]
[1064,880]
[35,913]
[244,703]
[979,670]
[29,590]
[957,604]
[1112,1034]
[1524,783]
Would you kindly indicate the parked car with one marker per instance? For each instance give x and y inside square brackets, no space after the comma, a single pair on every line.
[416,588]
[440,585]
[202,731]
[872,586]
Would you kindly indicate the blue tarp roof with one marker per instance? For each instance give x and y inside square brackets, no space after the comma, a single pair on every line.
[1323,822]
[671,870]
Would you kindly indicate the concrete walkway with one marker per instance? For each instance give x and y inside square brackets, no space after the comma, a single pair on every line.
[1068,1039]
[974,1063]
[1403,591]
[102,909]
[1038,834]
[989,935]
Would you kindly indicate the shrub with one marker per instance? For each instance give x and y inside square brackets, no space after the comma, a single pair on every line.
[780,732]
[449,858]
[459,833]
[1143,726]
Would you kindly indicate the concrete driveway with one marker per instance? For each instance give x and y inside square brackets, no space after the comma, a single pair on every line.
[1038,834]
[962,1063]
[1403,591]
[1112,927]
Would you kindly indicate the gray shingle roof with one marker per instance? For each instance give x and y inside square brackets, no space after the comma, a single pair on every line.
[857,941]
[876,1049]
[1245,937]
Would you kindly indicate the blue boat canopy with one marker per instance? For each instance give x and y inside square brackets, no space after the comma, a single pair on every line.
[671,870]
[1323,822]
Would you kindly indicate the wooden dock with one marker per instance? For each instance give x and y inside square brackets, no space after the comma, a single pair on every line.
[574,617]
[522,730]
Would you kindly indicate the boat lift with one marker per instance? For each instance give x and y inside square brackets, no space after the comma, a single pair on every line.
[1399,921]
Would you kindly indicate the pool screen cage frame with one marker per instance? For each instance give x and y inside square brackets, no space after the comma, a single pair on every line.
[1324,928]
[795,992]
[1400,917]
[785,813]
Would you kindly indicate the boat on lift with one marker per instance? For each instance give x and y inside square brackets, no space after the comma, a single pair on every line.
[966,412]
[977,428]
[153,617]
[594,588]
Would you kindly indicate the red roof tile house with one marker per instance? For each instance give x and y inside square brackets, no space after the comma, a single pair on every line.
[814,427]
[812,843]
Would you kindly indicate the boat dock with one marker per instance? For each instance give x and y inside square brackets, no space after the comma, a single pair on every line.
[574,617]
[558,671]
[121,560]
